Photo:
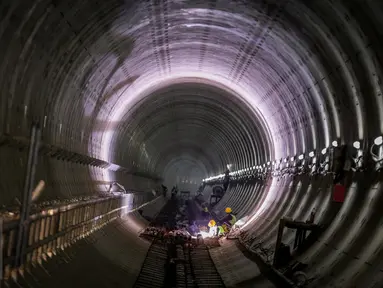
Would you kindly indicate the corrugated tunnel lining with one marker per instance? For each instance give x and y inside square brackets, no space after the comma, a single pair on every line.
[310,71]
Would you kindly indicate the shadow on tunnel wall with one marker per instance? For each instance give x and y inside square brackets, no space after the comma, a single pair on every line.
[66,125]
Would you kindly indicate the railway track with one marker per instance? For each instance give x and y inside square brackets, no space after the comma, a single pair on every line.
[174,262]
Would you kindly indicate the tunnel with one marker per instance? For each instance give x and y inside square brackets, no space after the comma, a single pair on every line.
[103,96]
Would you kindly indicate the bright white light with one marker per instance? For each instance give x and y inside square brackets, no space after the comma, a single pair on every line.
[324,150]
[285,160]
[301,157]
[335,143]
[378,141]
[311,154]
[268,163]
[292,159]
[356,145]
[204,234]
[254,167]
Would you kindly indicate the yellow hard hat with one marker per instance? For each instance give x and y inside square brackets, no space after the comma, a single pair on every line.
[211,223]
[228,210]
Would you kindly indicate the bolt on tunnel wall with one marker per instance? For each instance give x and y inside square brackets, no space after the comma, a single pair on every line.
[142,93]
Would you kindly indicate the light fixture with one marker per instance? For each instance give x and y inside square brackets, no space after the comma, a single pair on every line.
[268,163]
[356,145]
[311,154]
[335,143]
[292,158]
[324,150]
[301,157]
[378,141]
[285,159]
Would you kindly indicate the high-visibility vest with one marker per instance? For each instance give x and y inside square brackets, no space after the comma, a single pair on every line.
[233,219]
[221,230]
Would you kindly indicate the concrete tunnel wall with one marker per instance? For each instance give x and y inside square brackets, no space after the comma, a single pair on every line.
[158,86]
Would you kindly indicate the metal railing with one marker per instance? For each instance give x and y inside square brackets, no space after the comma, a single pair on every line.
[55,228]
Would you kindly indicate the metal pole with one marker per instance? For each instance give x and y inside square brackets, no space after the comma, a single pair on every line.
[27,197]
[1,251]
[279,240]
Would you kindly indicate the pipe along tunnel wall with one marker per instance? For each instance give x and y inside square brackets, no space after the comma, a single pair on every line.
[137,91]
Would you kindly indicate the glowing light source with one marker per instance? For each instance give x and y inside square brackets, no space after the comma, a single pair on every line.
[356,145]
[335,143]
[300,157]
[324,150]
[378,141]
[311,154]
[292,158]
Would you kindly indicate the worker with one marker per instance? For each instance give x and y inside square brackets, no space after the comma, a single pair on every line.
[213,227]
[221,230]
[216,229]
[312,216]
[226,180]
[230,218]
[205,211]
[164,190]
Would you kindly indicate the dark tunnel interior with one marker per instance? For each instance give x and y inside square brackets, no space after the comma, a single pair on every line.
[102,102]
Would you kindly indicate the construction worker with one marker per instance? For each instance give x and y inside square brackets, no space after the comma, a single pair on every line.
[230,219]
[226,180]
[215,230]
[221,230]
[213,227]
[205,211]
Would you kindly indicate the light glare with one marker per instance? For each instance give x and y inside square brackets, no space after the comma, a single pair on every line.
[356,145]
[378,141]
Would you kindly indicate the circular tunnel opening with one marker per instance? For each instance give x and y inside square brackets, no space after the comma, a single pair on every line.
[182,90]
[188,131]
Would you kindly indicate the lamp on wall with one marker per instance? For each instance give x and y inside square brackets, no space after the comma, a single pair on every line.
[335,143]
[356,145]
[312,154]
[378,141]
[324,150]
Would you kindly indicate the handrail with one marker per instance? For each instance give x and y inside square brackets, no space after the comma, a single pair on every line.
[59,227]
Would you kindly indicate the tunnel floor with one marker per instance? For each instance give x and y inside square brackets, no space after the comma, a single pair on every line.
[177,261]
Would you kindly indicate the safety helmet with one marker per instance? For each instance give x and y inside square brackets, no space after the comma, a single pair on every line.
[228,210]
[211,223]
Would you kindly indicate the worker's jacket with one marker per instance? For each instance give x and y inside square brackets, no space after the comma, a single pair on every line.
[221,230]
[231,219]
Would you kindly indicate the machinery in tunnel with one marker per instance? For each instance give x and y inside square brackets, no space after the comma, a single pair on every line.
[285,94]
